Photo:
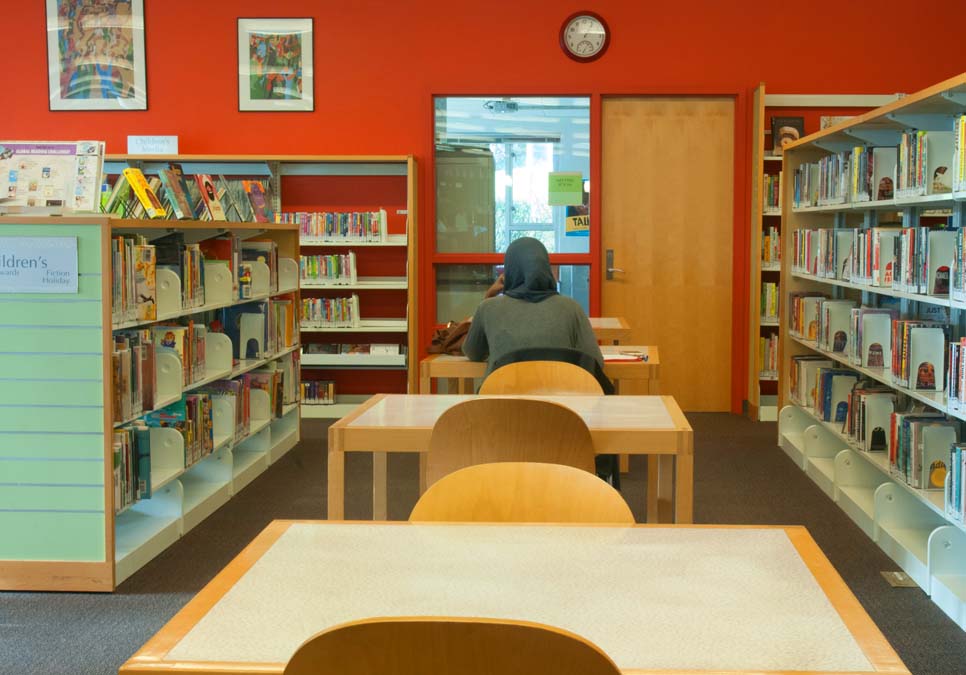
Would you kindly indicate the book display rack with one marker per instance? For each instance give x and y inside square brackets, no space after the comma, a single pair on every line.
[872,324]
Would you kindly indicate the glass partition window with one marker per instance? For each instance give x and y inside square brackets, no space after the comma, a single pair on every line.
[460,288]
[509,168]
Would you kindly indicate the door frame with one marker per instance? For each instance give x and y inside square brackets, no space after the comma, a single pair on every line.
[429,258]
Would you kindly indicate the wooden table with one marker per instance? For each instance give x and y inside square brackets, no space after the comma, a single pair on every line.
[461,371]
[692,599]
[636,425]
[610,328]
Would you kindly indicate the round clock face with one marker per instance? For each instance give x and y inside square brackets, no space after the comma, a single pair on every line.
[584,36]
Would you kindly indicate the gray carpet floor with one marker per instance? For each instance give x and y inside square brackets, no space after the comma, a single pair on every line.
[740,477]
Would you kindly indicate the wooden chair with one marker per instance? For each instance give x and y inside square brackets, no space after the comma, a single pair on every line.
[550,378]
[485,430]
[540,378]
[522,492]
[448,646]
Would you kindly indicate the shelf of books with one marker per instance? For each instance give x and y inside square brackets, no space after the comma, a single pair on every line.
[774,125]
[357,275]
[873,332]
[157,383]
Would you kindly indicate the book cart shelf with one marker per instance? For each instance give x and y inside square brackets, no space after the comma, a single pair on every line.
[57,421]
[385,282]
[911,525]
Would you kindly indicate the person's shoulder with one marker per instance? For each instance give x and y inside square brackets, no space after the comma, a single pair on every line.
[489,305]
[565,302]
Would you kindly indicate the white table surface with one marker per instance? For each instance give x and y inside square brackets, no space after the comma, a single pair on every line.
[598,412]
[687,598]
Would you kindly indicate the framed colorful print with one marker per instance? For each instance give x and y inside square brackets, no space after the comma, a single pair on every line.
[95,55]
[275,65]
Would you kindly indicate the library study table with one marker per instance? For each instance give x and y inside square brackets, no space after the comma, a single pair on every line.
[634,425]
[692,599]
[463,371]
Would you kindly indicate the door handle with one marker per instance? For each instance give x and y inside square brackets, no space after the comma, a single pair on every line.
[610,264]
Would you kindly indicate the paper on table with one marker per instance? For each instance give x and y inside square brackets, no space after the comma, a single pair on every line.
[622,357]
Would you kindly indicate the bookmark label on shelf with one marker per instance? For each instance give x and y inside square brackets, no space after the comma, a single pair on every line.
[38,264]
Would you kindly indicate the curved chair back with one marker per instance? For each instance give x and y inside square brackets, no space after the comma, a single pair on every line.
[448,646]
[522,492]
[485,430]
[540,378]
[563,354]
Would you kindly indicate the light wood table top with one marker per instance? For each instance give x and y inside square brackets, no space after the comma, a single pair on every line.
[694,599]
[643,425]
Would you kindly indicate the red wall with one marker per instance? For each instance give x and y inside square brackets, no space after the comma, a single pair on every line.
[378,63]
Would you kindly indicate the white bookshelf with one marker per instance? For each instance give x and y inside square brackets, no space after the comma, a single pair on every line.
[362,284]
[383,289]
[910,525]
[390,240]
[940,300]
[365,326]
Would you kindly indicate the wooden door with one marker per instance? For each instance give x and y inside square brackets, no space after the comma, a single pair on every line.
[667,190]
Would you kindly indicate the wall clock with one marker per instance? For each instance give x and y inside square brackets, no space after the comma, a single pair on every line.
[584,36]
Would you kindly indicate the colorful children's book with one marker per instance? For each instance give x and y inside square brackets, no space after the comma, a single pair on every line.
[258,198]
[176,192]
[146,298]
[142,190]
[209,195]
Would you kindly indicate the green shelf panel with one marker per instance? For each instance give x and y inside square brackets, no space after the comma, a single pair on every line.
[13,393]
[50,368]
[72,537]
[73,447]
[36,471]
[48,496]
[52,431]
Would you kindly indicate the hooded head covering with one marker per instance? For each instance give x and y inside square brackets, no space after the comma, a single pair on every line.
[526,271]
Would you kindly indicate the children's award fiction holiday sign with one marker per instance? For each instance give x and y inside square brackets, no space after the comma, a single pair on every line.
[38,264]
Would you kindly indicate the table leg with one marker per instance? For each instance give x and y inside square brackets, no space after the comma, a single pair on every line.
[336,477]
[465,385]
[654,386]
[379,486]
[684,489]
[660,488]
[425,384]
[625,462]
[423,456]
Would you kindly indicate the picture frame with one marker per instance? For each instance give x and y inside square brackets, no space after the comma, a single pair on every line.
[276,65]
[95,55]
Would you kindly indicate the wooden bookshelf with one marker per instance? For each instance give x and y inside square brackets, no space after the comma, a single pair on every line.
[63,529]
[762,162]
[910,525]
[762,397]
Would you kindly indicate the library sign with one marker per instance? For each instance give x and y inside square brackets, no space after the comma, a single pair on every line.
[38,264]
